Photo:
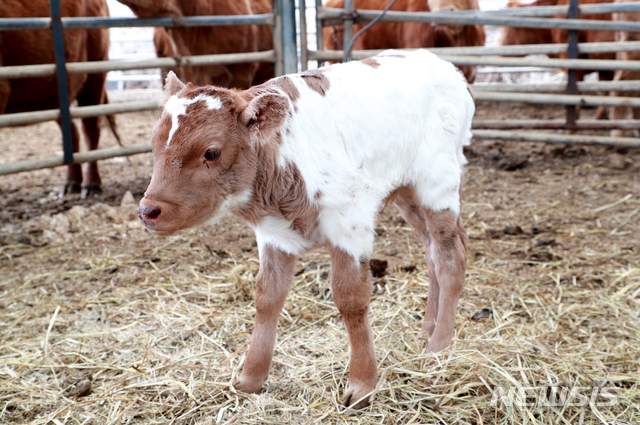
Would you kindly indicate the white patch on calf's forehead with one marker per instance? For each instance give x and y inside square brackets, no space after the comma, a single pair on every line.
[177,106]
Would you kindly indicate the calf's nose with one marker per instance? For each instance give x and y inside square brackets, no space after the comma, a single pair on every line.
[149,211]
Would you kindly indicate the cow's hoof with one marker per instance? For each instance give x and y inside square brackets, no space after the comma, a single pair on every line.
[426,331]
[70,189]
[248,386]
[357,396]
[89,191]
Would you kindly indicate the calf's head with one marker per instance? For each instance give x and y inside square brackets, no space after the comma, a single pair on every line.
[206,153]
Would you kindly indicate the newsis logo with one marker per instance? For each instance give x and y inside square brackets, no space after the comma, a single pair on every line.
[553,396]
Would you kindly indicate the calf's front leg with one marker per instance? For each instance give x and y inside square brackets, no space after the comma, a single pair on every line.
[272,285]
[351,289]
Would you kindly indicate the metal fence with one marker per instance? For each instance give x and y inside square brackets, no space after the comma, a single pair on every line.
[286,60]
[283,55]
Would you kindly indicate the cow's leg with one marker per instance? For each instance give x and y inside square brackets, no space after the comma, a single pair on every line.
[93,93]
[617,113]
[351,288]
[74,171]
[414,214]
[448,252]
[91,182]
[273,283]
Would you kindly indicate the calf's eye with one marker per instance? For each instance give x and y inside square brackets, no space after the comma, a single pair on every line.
[212,154]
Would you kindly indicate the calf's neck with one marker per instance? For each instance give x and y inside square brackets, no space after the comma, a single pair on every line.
[312,158]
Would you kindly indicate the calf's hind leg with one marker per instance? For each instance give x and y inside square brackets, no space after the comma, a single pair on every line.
[445,243]
[414,214]
[448,252]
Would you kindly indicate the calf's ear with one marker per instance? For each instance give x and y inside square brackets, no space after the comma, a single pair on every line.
[172,85]
[266,113]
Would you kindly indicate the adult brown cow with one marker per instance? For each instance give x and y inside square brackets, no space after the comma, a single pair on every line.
[513,35]
[32,94]
[411,34]
[212,40]
[510,36]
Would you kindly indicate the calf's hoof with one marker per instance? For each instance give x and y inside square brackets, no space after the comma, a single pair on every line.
[426,331]
[438,344]
[248,385]
[357,396]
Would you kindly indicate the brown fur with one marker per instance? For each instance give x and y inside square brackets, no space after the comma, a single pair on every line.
[316,80]
[351,289]
[36,47]
[443,234]
[510,36]
[273,283]
[372,62]
[212,40]
[410,34]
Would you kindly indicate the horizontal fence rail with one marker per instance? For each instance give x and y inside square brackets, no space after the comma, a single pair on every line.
[515,50]
[332,16]
[31,71]
[78,158]
[556,124]
[586,64]
[12,24]
[622,86]
[629,142]
[558,99]
[25,118]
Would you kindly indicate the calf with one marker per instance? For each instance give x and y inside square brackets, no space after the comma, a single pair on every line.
[311,158]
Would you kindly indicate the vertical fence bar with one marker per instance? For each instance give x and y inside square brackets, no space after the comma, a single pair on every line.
[319,31]
[63,84]
[304,48]
[348,27]
[277,37]
[572,74]
[289,45]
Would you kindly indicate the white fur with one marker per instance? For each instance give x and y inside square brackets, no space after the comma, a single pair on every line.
[177,106]
[278,232]
[376,129]
[232,203]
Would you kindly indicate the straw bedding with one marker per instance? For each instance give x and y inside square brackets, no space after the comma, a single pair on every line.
[103,323]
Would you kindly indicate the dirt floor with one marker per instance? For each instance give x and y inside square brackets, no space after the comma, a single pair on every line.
[103,323]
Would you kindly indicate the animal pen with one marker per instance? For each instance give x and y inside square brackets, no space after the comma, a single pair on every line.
[285,56]
[101,323]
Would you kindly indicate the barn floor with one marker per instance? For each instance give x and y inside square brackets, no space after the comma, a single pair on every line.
[103,323]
